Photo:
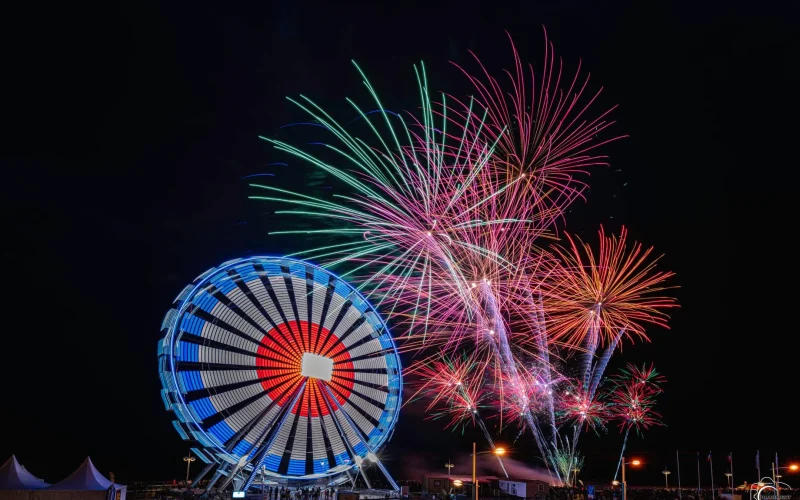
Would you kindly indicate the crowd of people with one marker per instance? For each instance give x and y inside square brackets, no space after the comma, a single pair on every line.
[283,493]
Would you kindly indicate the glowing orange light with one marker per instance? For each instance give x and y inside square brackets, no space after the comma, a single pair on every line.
[794,467]
[499,451]
[636,462]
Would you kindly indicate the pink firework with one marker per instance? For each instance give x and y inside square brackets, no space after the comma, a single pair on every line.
[524,394]
[542,126]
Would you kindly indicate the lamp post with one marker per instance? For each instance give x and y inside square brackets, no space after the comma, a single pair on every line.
[776,477]
[449,466]
[188,461]
[496,451]
[625,483]
[666,473]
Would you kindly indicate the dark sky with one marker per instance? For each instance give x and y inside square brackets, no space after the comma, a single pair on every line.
[128,128]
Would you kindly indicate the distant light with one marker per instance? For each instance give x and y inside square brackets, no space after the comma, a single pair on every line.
[615,482]
[499,451]
[636,462]
[429,233]
[372,457]
[794,467]
[238,494]
[491,332]
[458,482]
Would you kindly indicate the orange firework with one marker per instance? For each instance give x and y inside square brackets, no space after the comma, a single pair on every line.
[597,297]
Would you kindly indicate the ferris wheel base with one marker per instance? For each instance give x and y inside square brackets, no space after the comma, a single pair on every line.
[348,477]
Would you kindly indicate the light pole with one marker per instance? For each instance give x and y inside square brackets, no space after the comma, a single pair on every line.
[625,483]
[496,451]
[666,473]
[449,466]
[776,477]
[188,461]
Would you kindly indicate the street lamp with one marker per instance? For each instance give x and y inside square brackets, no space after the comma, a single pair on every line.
[188,461]
[635,463]
[496,451]
[449,466]
[666,473]
[776,477]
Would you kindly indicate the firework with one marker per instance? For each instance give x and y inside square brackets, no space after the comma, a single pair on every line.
[632,398]
[541,126]
[600,296]
[452,386]
[442,222]
[579,407]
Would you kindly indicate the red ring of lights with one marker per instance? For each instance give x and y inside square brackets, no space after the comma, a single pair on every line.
[280,358]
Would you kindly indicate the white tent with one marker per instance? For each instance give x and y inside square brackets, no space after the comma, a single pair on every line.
[13,476]
[87,478]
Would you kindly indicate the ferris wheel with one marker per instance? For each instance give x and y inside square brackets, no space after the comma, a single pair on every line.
[275,366]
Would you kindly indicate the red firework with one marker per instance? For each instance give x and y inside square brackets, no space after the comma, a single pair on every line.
[577,406]
[602,296]
[633,397]
[453,387]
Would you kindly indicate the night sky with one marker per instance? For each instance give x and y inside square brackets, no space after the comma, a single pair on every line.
[128,129]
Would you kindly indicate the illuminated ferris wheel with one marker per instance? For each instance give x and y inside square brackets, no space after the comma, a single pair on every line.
[275,366]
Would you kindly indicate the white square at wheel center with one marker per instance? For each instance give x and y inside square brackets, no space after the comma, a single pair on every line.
[317,366]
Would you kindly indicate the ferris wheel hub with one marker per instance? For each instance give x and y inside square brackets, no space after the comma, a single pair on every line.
[316,366]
